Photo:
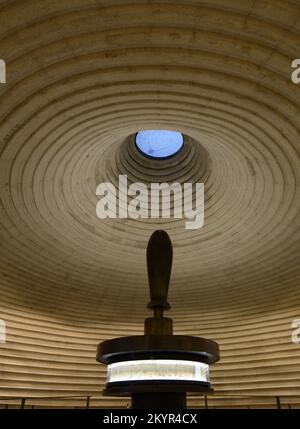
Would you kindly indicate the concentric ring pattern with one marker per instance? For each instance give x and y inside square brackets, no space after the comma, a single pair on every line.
[82,77]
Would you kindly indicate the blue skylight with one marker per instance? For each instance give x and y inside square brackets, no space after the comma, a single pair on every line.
[159,143]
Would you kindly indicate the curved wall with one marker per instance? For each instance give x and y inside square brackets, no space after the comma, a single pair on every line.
[83,76]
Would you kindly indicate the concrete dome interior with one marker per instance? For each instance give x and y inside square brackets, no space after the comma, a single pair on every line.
[84,76]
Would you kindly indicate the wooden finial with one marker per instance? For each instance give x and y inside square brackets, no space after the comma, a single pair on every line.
[159,263]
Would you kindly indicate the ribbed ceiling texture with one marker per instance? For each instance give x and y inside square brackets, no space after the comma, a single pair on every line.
[83,76]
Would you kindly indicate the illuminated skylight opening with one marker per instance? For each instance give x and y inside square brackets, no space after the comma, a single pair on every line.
[159,144]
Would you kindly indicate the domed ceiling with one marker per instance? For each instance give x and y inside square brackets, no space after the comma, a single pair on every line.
[82,78]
